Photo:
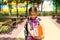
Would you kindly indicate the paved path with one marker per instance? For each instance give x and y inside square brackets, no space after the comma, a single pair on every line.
[51,32]
[55,22]
[50,29]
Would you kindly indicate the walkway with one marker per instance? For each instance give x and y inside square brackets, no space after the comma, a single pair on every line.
[50,29]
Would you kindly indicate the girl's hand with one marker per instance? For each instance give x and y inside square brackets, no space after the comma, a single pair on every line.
[36,37]
[42,37]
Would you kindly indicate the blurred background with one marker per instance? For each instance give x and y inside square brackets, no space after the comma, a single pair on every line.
[13,15]
[21,7]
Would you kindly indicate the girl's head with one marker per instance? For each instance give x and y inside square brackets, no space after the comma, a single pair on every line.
[33,12]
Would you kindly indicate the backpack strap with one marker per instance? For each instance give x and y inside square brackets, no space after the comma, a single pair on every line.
[38,20]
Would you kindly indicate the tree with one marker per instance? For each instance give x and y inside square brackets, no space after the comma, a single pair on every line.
[58,2]
[9,1]
[10,7]
[36,1]
[22,1]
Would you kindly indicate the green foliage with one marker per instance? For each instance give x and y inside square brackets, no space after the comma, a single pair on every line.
[6,14]
[39,14]
[9,1]
[58,2]
[45,13]
[1,14]
[58,14]
[35,1]
[14,14]
[22,1]
[4,28]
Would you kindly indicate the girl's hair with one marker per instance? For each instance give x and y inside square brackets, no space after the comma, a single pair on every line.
[33,9]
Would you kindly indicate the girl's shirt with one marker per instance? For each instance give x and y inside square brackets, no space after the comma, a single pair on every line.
[33,25]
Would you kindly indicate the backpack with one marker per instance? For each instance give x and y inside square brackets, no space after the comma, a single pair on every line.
[26,31]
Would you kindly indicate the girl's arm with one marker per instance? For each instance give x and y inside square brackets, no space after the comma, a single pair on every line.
[28,27]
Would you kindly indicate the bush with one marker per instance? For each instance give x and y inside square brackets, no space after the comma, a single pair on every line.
[6,14]
[45,13]
[4,28]
[1,14]
[14,14]
[39,14]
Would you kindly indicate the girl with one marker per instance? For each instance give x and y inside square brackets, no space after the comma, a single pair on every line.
[32,25]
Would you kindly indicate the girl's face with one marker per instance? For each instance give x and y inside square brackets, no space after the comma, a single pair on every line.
[33,15]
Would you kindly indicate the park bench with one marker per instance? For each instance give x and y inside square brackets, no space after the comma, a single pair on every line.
[1,24]
[9,23]
[54,16]
[4,22]
[12,21]
[58,18]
